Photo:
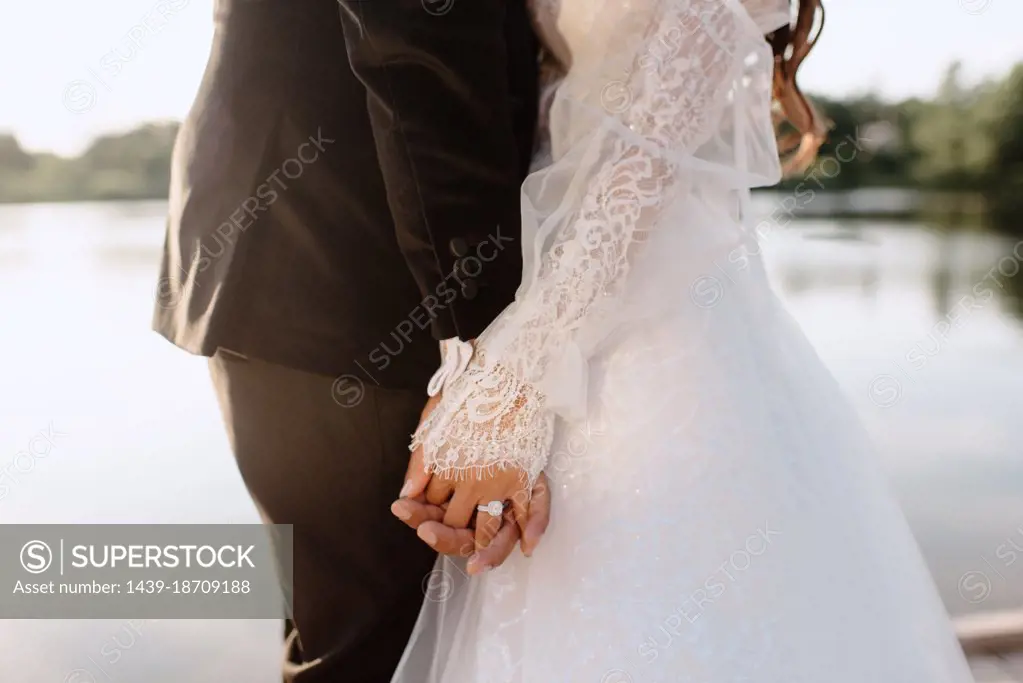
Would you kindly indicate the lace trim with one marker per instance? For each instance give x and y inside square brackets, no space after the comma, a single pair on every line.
[499,424]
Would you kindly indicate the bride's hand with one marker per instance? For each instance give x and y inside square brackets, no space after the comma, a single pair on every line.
[456,512]
[416,476]
[461,493]
[466,491]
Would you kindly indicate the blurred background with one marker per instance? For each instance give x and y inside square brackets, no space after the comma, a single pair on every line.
[900,253]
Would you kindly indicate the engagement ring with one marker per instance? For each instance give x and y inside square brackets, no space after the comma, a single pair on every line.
[494,508]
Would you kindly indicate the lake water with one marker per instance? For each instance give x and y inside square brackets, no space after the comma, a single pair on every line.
[937,377]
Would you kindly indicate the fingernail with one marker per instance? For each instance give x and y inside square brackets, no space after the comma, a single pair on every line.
[406,489]
[400,510]
[427,535]
[475,568]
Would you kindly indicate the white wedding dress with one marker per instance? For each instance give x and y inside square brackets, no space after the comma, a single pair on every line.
[717,515]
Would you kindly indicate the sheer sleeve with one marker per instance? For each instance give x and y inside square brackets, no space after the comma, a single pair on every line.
[631,129]
[769,15]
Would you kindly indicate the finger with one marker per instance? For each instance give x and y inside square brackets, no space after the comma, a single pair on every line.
[487,526]
[416,476]
[438,491]
[519,509]
[414,511]
[461,508]
[539,515]
[499,549]
[447,541]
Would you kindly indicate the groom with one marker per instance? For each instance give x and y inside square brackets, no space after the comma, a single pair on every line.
[345,192]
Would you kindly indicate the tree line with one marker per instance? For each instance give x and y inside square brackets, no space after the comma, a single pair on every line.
[967,139]
[133,165]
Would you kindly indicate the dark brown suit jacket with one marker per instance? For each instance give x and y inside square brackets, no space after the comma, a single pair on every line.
[347,183]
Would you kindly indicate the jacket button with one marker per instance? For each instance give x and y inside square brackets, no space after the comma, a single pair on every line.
[469,289]
[458,247]
[463,265]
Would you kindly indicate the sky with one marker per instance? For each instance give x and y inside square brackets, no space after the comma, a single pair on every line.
[71,70]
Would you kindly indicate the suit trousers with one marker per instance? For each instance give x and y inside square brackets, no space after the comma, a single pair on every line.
[329,456]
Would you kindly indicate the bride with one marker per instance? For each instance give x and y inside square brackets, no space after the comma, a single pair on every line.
[717,514]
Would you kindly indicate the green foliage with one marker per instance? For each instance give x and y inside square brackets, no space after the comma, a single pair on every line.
[12,156]
[965,139]
[135,165]
[1006,170]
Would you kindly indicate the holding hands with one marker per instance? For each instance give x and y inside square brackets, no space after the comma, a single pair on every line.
[475,512]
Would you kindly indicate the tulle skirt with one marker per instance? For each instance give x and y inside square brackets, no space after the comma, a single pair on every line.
[719,515]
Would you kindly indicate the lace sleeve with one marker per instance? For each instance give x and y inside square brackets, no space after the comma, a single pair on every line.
[627,123]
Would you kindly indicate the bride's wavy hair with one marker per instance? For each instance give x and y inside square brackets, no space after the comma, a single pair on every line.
[801,129]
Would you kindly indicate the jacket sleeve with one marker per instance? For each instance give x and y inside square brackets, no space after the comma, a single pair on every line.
[437,81]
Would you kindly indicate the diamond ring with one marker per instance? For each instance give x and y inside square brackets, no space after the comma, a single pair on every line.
[494,508]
